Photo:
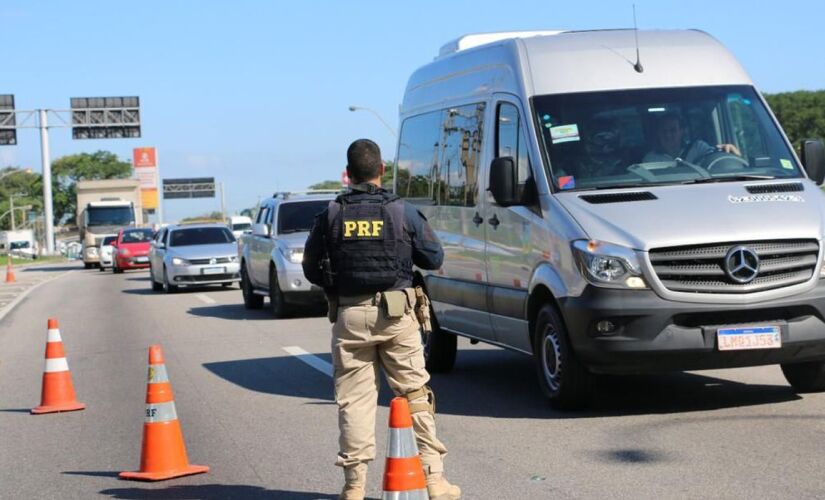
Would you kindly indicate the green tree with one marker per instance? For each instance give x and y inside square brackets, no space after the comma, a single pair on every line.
[801,114]
[26,187]
[68,170]
[326,185]
[207,217]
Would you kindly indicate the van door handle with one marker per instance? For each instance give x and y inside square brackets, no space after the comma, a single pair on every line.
[477,219]
[493,221]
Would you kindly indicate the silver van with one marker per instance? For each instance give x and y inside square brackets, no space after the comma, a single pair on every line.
[610,214]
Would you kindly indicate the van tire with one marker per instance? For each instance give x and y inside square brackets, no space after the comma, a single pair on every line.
[440,348]
[276,296]
[565,382]
[806,377]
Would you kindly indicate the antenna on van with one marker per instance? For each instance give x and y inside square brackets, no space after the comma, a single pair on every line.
[638,66]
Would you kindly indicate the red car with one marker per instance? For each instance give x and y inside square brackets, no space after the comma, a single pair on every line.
[131,250]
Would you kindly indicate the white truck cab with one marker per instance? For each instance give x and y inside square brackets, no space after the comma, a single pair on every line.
[612,215]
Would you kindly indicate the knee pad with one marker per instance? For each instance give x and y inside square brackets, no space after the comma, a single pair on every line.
[429,406]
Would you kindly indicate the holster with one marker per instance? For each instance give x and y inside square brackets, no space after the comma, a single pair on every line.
[422,309]
[332,312]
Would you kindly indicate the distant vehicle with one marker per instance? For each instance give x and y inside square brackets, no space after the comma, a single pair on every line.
[131,249]
[104,207]
[107,252]
[575,232]
[240,224]
[19,243]
[271,255]
[193,254]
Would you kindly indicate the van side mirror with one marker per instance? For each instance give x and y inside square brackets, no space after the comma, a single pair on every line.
[503,181]
[813,159]
[263,230]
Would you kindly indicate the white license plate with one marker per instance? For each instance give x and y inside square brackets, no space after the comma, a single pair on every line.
[749,337]
[212,270]
[141,259]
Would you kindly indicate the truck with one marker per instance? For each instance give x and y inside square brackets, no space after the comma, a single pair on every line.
[104,207]
[576,233]
[19,243]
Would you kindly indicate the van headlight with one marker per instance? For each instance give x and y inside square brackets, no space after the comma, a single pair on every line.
[608,265]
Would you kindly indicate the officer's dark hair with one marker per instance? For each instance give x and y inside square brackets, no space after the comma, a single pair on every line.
[363,161]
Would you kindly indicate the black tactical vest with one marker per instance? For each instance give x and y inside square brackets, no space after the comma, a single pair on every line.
[369,249]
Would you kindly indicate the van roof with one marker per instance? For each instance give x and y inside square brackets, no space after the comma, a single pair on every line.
[557,62]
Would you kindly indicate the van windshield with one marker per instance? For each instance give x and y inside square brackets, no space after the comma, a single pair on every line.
[600,140]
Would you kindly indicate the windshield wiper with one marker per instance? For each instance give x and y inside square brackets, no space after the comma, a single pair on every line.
[731,178]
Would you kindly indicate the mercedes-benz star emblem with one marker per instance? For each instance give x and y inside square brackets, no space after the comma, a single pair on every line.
[742,264]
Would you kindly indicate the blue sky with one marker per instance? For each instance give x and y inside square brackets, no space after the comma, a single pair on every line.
[256,93]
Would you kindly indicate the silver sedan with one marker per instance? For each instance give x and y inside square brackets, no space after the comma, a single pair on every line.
[193,255]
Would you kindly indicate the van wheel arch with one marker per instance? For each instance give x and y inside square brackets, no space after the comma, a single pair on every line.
[540,296]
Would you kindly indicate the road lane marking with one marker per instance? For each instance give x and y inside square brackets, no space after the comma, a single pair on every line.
[310,359]
[206,299]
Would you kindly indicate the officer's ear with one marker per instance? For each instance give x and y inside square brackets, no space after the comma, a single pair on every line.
[382,170]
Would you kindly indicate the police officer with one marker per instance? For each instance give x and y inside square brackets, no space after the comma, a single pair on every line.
[362,250]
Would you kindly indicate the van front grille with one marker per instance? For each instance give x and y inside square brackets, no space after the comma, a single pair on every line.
[703,268]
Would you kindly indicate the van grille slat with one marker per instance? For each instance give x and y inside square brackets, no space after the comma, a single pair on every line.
[701,268]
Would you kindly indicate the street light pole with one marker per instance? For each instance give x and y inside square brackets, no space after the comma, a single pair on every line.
[47,181]
[375,113]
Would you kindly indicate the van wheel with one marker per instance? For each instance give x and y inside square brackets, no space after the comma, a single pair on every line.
[806,377]
[562,378]
[276,296]
[250,299]
[440,347]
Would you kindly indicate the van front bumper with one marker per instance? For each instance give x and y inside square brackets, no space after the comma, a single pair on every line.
[655,335]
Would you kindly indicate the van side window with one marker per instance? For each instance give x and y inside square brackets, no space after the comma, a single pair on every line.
[438,156]
[418,155]
[511,141]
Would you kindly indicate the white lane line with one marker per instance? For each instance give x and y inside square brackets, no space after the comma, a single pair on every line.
[310,359]
[206,299]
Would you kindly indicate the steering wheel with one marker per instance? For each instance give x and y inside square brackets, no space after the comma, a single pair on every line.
[722,162]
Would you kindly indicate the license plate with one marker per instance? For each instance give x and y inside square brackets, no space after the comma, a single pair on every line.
[212,270]
[142,259]
[749,337]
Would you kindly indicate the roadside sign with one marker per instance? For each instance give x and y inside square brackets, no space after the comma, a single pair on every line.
[146,168]
[193,187]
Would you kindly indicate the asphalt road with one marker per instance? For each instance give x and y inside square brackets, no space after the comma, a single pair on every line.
[263,419]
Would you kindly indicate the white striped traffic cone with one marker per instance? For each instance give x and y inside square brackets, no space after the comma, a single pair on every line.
[58,391]
[403,473]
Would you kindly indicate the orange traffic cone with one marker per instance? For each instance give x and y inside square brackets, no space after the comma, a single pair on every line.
[163,454]
[10,272]
[58,391]
[403,472]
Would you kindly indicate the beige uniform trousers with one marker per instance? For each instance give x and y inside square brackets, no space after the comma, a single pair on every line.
[363,341]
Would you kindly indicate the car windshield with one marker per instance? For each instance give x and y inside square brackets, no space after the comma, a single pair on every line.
[110,216]
[109,239]
[599,140]
[241,226]
[298,216]
[200,236]
[136,236]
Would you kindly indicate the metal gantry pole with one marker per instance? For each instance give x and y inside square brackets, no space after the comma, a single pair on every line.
[47,181]
[223,202]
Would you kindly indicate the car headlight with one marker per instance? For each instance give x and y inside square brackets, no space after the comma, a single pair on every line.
[177,261]
[233,258]
[608,265]
[92,251]
[124,252]
[294,255]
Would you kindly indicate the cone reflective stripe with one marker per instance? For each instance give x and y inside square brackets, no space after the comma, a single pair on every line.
[10,272]
[163,453]
[403,473]
[57,393]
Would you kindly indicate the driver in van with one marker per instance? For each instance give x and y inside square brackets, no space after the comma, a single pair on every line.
[673,143]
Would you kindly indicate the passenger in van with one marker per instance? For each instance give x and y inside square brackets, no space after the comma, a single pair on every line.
[602,150]
[672,143]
